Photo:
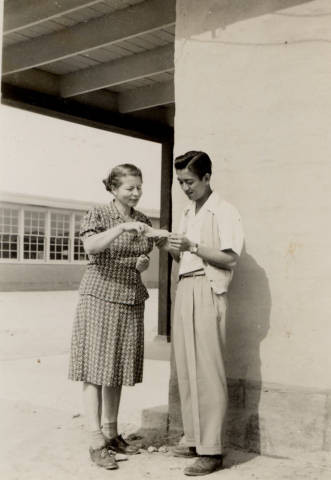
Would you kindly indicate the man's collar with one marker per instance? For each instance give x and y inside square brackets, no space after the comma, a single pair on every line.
[211,204]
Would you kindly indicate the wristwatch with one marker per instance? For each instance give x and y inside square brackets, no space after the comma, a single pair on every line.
[194,248]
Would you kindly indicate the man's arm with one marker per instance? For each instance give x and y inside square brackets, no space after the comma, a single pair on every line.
[226,259]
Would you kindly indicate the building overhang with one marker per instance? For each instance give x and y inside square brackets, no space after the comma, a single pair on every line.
[103,63]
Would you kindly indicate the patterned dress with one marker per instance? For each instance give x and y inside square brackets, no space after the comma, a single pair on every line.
[107,346]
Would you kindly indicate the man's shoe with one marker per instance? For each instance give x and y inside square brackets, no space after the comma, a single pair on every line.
[183,451]
[119,445]
[103,458]
[204,465]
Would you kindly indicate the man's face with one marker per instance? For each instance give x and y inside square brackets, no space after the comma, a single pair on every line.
[191,184]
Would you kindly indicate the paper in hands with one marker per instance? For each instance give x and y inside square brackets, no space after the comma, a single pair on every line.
[156,232]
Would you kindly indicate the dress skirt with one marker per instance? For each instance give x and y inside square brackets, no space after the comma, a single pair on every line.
[107,346]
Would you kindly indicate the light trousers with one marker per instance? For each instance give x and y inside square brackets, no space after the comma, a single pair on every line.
[199,340]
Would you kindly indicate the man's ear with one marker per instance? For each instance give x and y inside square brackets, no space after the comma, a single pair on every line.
[207,177]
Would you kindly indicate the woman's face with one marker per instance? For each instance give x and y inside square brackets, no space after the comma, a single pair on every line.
[129,192]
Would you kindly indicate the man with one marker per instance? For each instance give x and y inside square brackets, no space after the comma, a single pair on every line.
[207,248]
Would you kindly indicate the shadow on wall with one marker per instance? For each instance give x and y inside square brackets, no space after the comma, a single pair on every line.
[214,14]
[247,325]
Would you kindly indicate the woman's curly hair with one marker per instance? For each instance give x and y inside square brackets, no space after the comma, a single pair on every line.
[114,179]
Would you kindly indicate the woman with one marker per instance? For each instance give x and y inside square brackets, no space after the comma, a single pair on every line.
[108,332]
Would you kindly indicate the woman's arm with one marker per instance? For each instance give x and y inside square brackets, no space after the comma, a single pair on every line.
[100,241]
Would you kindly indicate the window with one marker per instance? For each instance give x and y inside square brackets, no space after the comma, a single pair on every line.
[34,235]
[79,252]
[59,238]
[37,234]
[9,233]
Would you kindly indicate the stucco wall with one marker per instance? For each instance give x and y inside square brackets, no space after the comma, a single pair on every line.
[253,90]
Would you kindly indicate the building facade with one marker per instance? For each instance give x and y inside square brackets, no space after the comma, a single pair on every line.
[253,90]
[40,248]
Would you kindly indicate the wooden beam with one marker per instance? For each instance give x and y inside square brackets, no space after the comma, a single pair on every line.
[165,261]
[19,14]
[38,80]
[45,82]
[122,24]
[129,101]
[159,114]
[101,99]
[146,97]
[125,69]
[83,114]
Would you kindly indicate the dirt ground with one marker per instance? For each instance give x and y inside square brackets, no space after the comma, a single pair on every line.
[42,424]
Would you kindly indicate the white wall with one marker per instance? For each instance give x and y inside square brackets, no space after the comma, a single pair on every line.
[253,90]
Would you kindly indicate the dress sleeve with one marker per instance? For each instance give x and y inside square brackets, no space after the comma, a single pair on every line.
[150,241]
[230,229]
[92,223]
[148,221]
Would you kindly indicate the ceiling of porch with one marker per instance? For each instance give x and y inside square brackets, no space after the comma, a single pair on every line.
[107,60]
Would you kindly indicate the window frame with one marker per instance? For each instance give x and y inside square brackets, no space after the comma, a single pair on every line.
[47,211]
[13,260]
[73,225]
[22,235]
[49,236]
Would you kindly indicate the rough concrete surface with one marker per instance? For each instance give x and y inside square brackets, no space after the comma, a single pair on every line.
[42,423]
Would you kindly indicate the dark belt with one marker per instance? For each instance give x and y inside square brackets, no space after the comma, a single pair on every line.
[197,273]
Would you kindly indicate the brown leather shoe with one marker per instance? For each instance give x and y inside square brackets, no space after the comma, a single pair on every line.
[119,445]
[103,458]
[183,451]
[204,465]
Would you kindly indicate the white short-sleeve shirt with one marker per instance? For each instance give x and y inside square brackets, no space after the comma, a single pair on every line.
[229,227]
[190,262]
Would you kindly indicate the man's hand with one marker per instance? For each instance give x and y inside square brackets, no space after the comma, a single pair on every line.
[142,263]
[179,242]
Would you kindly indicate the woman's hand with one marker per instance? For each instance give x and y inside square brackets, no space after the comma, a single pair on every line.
[137,227]
[161,242]
[142,263]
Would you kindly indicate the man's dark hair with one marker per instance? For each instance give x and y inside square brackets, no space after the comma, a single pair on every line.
[197,162]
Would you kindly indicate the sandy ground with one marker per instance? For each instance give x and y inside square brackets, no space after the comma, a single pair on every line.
[41,415]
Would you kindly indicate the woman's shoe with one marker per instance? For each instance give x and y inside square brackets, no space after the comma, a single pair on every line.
[103,458]
[119,445]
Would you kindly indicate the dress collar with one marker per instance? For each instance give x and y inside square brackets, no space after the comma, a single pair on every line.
[114,212]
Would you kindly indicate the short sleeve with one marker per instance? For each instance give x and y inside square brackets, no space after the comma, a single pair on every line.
[148,221]
[230,229]
[182,226]
[92,223]
[141,217]
[150,240]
